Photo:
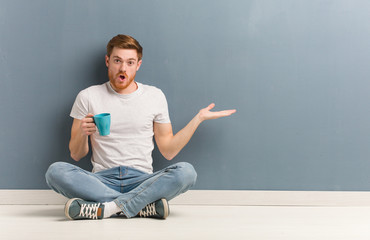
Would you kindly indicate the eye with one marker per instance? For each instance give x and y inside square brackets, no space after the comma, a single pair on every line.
[117,60]
[130,63]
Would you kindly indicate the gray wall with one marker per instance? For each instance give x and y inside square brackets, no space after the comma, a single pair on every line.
[297,71]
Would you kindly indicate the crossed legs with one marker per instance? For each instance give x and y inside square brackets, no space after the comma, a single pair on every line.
[130,189]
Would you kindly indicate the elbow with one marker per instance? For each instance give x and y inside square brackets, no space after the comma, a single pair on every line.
[169,156]
[168,153]
[74,154]
[77,154]
[75,157]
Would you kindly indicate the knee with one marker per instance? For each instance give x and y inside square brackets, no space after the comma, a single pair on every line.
[55,172]
[186,175]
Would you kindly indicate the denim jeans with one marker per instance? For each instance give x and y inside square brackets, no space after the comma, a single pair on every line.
[129,188]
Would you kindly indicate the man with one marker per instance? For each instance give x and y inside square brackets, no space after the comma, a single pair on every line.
[122,180]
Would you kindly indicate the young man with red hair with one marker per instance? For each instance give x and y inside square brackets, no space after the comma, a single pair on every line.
[122,180]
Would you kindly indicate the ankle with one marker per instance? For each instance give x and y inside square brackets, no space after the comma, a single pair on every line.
[110,209]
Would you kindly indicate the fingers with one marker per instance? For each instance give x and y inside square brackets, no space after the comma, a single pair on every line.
[210,106]
[224,113]
[87,125]
[89,118]
[228,112]
[206,114]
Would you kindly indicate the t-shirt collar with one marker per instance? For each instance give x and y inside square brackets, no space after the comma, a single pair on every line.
[137,92]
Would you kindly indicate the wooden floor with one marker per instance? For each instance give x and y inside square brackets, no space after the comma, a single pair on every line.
[192,222]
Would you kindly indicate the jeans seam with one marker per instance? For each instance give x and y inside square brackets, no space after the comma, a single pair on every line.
[123,208]
[129,200]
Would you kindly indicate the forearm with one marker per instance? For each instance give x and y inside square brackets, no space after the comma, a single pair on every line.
[177,142]
[78,146]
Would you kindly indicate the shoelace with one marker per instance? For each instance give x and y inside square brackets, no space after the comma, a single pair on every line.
[148,211]
[89,210]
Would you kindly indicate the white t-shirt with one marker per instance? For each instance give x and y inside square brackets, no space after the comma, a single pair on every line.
[130,142]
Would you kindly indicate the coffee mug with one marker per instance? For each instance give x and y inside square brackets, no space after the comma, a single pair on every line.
[102,122]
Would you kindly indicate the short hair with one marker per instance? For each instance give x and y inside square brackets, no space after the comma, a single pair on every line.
[125,42]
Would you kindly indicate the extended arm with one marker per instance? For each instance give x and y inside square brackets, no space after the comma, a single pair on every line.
[170,145]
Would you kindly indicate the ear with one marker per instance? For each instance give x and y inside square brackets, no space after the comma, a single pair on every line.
[139,64]
[107,60]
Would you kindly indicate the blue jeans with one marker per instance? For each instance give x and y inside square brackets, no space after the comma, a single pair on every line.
[129,188]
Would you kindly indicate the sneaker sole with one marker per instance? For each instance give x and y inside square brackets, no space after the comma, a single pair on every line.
[166,208]
[68,204]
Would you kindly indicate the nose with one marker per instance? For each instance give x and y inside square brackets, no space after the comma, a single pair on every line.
[123,67]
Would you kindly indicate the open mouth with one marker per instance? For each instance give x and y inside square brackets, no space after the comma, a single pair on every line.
[122,77]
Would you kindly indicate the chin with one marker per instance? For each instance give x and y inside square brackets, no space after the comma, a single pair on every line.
[118,86]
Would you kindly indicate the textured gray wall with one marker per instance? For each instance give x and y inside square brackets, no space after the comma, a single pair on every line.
[297,71]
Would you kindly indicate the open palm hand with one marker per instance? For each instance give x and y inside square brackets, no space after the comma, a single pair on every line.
[206,114]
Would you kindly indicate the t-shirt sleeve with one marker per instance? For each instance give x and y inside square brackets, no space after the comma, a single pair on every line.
[80,107]
[162,115]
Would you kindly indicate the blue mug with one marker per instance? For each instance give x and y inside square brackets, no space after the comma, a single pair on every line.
[102,122]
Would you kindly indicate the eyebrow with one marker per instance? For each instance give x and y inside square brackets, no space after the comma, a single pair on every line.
[127,59]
